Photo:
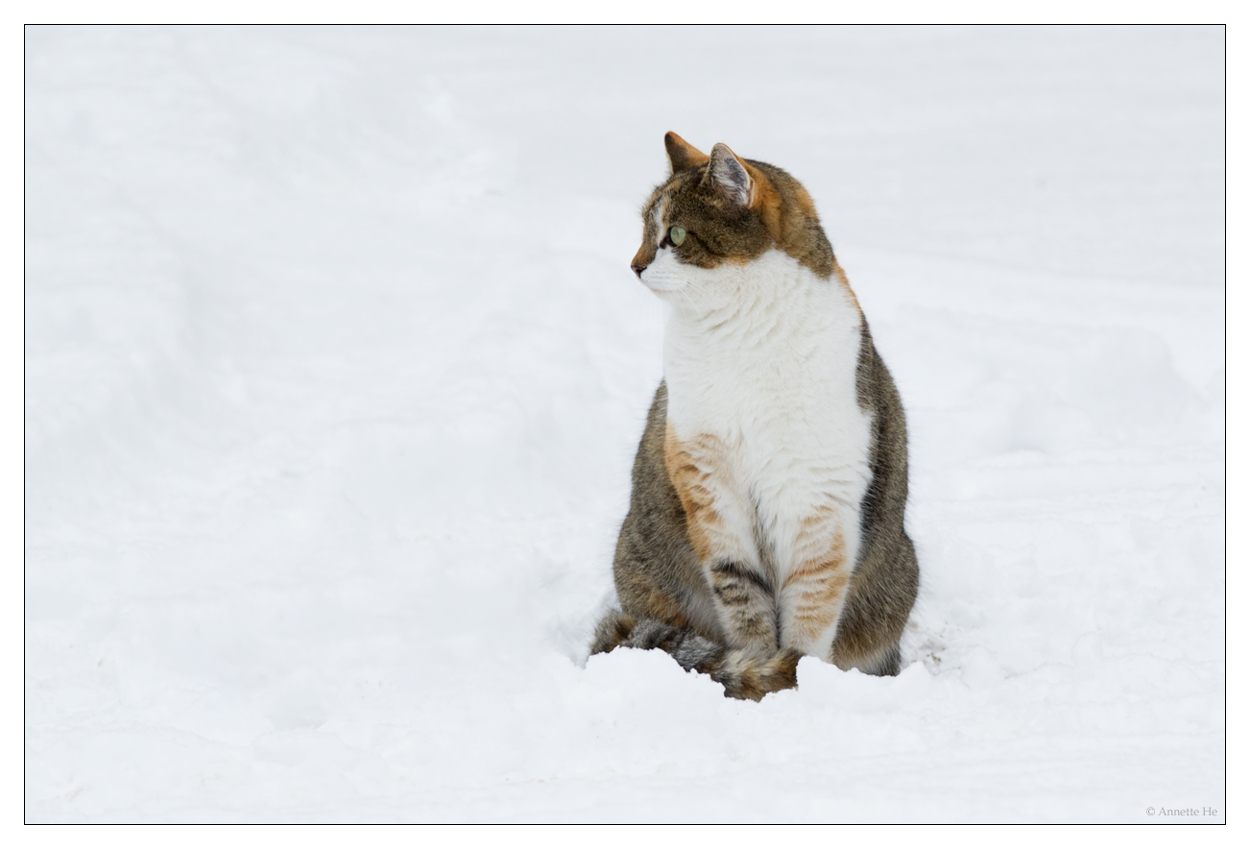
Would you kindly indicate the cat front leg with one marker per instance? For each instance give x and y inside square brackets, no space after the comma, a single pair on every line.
[720,522]
[816,561]
[745,605]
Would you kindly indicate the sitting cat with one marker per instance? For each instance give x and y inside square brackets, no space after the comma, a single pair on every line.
[766,519]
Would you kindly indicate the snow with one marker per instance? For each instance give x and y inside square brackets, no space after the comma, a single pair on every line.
[335,368]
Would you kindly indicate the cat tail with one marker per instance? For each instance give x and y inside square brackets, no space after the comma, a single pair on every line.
[743,675]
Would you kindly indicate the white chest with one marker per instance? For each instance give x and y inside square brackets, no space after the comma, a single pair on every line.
[766,363]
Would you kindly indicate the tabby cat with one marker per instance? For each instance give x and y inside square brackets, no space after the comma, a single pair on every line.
[766,519]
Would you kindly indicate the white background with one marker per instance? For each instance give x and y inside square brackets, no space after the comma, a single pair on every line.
[335,369]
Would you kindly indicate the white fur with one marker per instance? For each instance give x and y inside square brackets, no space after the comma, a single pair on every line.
[657,216]
[763,356]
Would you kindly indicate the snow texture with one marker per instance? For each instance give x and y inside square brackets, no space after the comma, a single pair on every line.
[335,368]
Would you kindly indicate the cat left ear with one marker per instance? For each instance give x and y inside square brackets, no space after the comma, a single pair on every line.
[729,175]
[681,153]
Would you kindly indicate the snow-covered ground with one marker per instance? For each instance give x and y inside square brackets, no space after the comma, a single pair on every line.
[335,368]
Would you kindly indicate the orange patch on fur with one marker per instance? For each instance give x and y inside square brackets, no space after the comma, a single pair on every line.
[834,555]
[840,276]
[765,201]
[818,518]
[830,587]
[682,154]
[818,584]
[805,202]
[690,466]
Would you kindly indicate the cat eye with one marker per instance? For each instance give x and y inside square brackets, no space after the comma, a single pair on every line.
[676,235]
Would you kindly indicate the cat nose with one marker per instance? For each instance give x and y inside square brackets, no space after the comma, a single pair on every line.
[639,269]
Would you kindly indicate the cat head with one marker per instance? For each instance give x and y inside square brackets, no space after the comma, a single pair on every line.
[718,214]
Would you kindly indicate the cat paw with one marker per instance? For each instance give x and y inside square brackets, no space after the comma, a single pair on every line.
[614,629]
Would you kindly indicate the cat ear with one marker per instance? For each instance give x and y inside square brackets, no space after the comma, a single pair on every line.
[681,154]
[729,175]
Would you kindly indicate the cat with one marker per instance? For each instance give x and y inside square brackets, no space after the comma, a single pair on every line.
[766,518]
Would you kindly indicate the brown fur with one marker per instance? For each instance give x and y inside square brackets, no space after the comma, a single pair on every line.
[682,154]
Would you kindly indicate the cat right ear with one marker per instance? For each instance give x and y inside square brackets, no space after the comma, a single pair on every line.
[682,154]
[730,176]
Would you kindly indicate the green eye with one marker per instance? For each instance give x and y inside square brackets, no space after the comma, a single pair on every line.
[676,235]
